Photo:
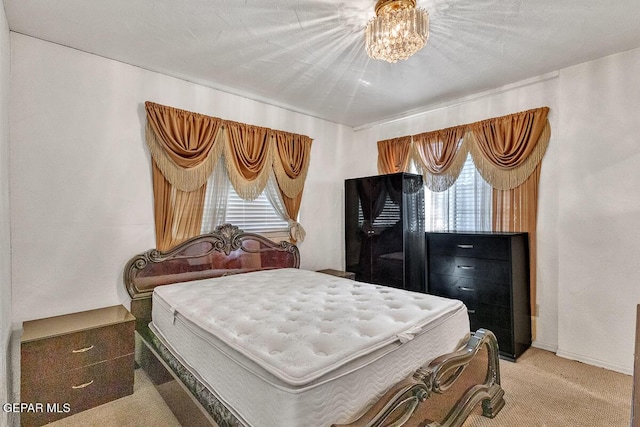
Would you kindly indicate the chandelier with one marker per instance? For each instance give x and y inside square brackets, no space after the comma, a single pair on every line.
[398,31]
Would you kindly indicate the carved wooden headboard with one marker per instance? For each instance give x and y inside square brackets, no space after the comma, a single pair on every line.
[227,250]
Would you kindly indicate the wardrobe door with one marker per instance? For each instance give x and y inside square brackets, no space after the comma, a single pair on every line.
[364,201]
[384,230]
[352,228]
[413,233]
[387,239]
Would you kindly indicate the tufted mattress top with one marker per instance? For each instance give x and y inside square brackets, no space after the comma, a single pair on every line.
[300,325]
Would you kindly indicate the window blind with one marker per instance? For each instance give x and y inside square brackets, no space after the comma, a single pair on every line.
[256,215]
[223,205]
[465,206]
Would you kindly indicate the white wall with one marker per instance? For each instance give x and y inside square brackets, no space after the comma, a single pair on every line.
[589,202]
[599,216]
[81,191]
[5,246]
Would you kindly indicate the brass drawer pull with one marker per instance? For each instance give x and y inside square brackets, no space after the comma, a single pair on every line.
[466,267]
[462,246]
[82,350]
[76,387]
[464,288]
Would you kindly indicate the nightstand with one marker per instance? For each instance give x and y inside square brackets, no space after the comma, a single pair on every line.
[76,361]
[338,273]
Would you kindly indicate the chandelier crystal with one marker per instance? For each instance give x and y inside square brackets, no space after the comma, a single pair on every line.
[398,31]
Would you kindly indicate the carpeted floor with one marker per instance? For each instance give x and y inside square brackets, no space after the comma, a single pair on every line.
[144,407]
[541,390]
[544,390]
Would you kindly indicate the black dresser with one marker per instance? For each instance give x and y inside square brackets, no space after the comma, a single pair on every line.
[384,230]
[489,272]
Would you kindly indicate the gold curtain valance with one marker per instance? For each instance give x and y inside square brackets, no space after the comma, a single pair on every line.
[291,162]
[440,155]
[393,155]
[507,149]
[248,157]
[186,147]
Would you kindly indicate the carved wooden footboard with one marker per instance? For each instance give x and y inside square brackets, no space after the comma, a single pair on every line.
[401,403]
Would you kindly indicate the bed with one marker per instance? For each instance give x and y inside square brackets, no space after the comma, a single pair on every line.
[255,341]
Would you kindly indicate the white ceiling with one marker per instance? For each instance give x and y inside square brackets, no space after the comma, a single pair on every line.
[308,55]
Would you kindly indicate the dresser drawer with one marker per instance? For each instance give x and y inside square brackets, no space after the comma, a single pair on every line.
[81,388]
[497,319]
[46,357]
[489,316]
[468,245]
[503,336]
[476,268]
[470,290]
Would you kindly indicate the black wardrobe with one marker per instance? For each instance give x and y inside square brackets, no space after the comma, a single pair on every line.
[384,230]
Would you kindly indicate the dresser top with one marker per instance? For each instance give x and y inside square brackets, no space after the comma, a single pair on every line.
[75,322]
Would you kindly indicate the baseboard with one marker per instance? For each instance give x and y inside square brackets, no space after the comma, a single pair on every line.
[544,346]
[627,370]
[584,359]
[14,379]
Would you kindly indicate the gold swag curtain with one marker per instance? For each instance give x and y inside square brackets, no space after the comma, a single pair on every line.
[185,148]
[507,151]
[290,166]
[393,155]
[248,157]
[516,210]
[183,144]
[440,155]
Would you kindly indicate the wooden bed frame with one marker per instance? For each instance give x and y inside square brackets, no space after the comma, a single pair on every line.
[442,393]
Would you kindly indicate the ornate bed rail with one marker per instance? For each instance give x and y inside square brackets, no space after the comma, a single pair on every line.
[397,406]
[227,250]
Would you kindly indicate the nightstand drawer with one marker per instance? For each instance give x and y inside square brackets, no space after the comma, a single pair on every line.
[54,355]
[81,389]
[469,245]
[477,268]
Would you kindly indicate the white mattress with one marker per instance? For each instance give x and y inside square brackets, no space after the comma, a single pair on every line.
[294,347]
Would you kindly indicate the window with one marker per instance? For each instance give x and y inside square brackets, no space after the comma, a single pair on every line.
[256,215]
[465,206]
[223,205]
